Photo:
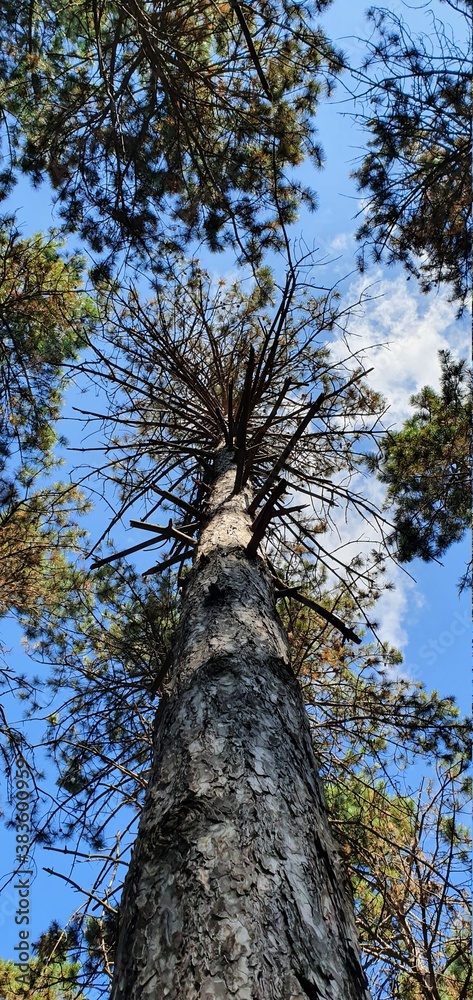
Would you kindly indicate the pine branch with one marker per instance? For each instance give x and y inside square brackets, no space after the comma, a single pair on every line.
[241,421]
[315,406]
[178,501]
[251,49]
[261,431]
[167,531]
[264,517]
[171,561]
[86,892]
[124,552]
[329,616]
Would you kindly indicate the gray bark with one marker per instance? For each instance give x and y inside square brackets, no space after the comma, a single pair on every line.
[234,888]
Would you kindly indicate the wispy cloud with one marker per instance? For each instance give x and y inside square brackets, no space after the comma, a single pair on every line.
[399,332]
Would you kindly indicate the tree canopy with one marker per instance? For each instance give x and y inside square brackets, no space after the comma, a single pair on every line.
[415,176]
[158,123]
[427,467]
[46,318]
[161,127]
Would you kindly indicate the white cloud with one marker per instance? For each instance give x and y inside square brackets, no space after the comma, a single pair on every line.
[398,609]
[400,332]
[340,242]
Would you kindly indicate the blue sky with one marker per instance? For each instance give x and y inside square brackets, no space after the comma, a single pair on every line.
[424,615]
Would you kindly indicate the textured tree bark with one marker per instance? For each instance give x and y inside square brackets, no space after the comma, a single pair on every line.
[234,888]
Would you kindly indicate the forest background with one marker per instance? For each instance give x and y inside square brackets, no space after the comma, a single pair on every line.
[424,616]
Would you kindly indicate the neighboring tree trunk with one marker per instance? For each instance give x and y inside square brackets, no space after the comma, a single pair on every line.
[234,889]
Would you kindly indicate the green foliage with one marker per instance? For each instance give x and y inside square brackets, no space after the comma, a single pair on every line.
[158,124]
[138,111]
[45,319]
[427,467]
[39,538]
[100,938]
[406,850]
[108,642]
[38,534]
[50,975]
[410,881]
[416,174]
[108,648]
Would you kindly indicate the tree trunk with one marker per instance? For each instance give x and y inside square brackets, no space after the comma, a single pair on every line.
[234,888]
